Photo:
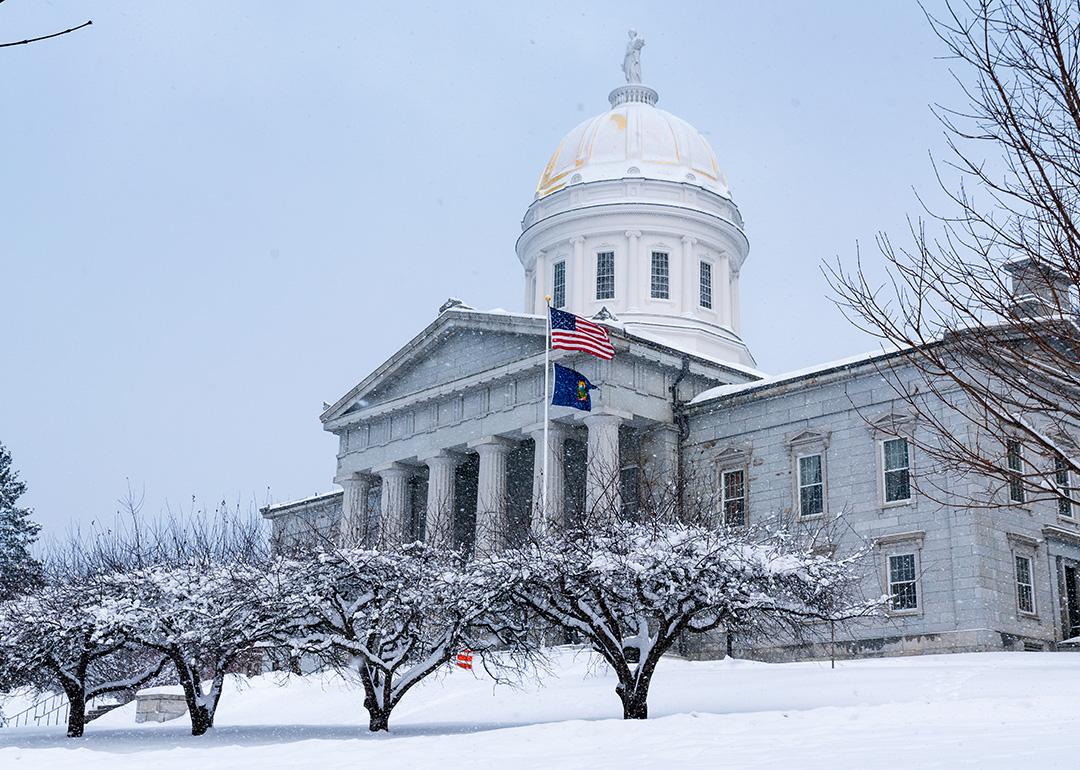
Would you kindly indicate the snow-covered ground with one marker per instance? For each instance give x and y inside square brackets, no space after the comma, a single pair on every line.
[993,710]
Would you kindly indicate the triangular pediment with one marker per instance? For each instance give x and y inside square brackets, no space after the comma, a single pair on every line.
[809,437]
[892,423]
[734,454]
[457,346]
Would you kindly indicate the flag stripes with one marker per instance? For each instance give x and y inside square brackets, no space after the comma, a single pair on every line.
[571,332]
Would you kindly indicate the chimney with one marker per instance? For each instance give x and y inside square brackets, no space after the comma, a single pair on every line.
[1039,288]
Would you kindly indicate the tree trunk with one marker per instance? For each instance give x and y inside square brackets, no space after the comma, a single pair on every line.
[76,713]
[635,703]
[202,719]
[379,720]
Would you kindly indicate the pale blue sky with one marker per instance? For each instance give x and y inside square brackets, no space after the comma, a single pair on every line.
[215,216]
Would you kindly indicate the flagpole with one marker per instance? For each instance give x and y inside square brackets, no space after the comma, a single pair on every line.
[544,511]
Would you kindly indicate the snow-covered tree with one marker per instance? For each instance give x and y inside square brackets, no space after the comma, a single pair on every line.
[202,616]
[631,588]
[19,571]
[63,635]
[392,617]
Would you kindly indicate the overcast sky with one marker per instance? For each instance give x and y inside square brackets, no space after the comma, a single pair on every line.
[215,216]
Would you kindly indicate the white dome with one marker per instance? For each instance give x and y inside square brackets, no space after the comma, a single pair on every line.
[633,139]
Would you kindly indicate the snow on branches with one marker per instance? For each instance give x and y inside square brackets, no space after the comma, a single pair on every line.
[203,617]
[630,589]
[392,617]
[65,635]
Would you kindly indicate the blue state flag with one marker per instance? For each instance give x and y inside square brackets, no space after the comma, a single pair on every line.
[572,389]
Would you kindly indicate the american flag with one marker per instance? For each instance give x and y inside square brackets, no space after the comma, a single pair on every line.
[571,332]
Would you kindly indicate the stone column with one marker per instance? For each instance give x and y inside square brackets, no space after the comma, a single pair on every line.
[439,522]
[576,277]
[723,284]
[393,503]
[736,311]
[353,528]
[491,493]
[544,521]
[691,274]
[633,272]
[603,498]
[540,273]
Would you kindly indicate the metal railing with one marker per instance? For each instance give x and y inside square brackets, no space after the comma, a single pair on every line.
[46,712]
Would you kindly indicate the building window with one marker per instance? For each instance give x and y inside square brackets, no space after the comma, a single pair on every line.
[1015,460]
[897,469]
[902,582]
[605,275]
[1025,589]
[1061,479]
[733,491]
[558,285]
[705,285]
[811,486]
[660,276]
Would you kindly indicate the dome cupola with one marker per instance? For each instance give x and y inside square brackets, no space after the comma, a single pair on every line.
[633,139]
[633,215]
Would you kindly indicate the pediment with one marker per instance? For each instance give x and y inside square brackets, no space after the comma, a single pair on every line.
[892,423]
[734,455]
[808,437]
[458,345]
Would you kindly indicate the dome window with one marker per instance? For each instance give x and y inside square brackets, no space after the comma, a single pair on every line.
[558,285]
[661,278]
[605,275]
[705,285]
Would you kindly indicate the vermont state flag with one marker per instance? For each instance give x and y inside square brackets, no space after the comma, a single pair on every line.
[571,389]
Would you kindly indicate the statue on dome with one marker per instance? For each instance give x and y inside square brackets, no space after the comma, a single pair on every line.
[631,64]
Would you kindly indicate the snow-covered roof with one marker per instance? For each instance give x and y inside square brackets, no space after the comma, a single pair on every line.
[799,374]
[313,499]
[658,340]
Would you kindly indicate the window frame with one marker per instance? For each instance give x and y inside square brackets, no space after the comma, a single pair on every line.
[913,581]
[705,284]
[660,278]
[799,485]
[558,284]
[1014,451]
[1064,499]
[1030,585]
[724,499]
[885,471]
[605,294]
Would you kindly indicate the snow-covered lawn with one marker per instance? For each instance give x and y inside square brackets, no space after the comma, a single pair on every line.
[994,710]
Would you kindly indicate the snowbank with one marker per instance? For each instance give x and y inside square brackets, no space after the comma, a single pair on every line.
[991,710]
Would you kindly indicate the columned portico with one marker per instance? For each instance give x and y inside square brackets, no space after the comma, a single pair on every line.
[394,502]
[491,493]
[602,493]
[354,510]
[545,519]
[439,526]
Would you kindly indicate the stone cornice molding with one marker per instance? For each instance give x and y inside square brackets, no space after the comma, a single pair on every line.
[916,537]
[638,209]
[1051,532]
[1015,538]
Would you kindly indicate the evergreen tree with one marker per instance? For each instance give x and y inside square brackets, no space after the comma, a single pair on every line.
[19,571]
